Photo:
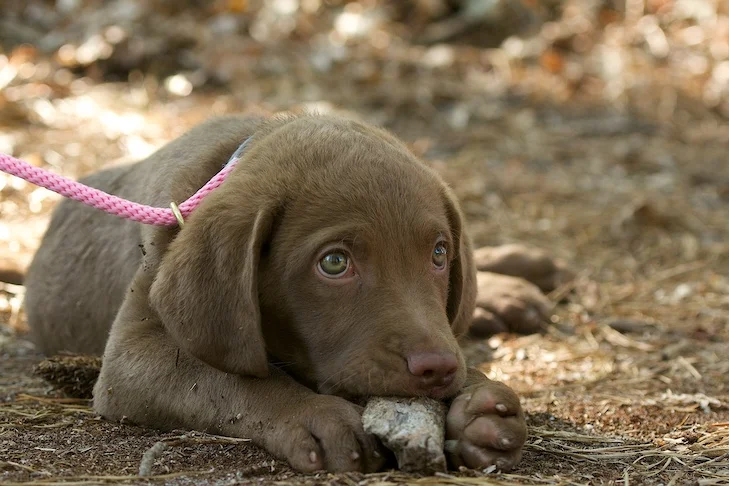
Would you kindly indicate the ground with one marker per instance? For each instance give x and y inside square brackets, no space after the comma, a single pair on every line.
[618,170]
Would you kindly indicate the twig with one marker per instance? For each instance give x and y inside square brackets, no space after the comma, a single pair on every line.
[689,367]
[87,480]
[21,466]
[84,402]
[149,456]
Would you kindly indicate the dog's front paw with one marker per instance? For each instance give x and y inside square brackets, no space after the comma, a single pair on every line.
[326,433]
[485,427]
[527,262]
[508,304]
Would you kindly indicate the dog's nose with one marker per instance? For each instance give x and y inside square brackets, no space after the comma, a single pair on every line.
[433,369]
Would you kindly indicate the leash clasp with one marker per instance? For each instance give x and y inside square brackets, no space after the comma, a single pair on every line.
[178,214]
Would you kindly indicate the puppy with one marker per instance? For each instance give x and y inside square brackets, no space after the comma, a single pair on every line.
[331,265]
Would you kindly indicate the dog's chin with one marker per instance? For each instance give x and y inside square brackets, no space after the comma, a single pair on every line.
[444,392]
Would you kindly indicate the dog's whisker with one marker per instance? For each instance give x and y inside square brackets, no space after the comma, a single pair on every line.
[331,377]
[342,382]
[283,364]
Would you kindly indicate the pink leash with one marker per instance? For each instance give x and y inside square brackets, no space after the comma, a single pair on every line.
[95,198]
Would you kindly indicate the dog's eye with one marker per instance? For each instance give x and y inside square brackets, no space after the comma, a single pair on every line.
[440,255]
[334,264]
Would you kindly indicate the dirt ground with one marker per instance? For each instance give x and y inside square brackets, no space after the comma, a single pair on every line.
[620,169]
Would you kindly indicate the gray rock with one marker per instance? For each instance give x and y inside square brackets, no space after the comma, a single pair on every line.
[412,428]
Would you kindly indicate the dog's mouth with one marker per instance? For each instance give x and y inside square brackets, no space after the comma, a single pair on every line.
[442,392]
[389,385]
[439,393]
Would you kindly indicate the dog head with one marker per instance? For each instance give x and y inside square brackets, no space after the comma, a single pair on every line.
[332,252]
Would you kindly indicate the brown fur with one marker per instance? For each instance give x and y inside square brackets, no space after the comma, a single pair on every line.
[224,326]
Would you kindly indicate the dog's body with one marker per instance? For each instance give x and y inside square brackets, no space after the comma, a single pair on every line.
[237,323]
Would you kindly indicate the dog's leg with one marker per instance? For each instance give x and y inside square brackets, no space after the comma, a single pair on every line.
[527,262]
[511,281]
[147,379]
[508,304]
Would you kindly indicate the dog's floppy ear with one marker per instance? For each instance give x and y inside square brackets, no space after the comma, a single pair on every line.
[462,278]
[206,288]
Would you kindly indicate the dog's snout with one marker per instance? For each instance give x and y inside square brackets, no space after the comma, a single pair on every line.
[433,370]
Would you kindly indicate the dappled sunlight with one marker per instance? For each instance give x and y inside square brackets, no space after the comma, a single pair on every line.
[594,130]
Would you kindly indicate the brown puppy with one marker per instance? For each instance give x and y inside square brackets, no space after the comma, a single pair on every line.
[330,265]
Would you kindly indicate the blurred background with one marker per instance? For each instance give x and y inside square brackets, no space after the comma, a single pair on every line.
[594,129]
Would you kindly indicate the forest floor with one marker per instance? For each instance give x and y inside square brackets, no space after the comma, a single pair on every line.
[630,385]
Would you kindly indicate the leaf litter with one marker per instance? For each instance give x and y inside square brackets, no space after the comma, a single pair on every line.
[594,130]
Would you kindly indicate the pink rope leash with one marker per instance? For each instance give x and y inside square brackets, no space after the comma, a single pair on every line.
[98,199]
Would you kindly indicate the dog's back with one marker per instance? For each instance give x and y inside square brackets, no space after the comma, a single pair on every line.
[87,258]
